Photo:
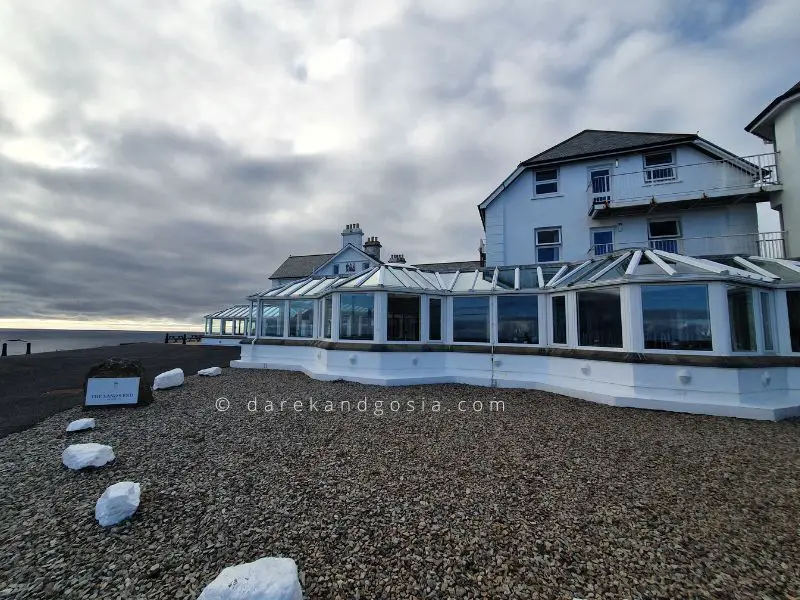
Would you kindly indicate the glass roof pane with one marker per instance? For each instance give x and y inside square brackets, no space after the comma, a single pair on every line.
[464,281]
[487,275]
[419,279]
[505,278]
[430,278]
[483,284]
[404,279]
[785,273]
[390,279]
[372,280]
[529,278]
[303,289]
[447,279]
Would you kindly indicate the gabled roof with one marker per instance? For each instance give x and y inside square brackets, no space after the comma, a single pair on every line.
[300,266]
[762,124]
[465,265]
[345,249]
[592,142]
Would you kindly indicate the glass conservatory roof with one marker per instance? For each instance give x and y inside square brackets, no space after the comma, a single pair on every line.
[625,265]
[237,311]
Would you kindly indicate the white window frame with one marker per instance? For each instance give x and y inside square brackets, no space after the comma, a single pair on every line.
[537,245]
[536,182]
[592,243]
[651,173]
[653,240]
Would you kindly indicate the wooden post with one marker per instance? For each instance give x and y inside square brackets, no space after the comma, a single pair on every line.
[28,348]
[184,339]
[166,338]
[5,349]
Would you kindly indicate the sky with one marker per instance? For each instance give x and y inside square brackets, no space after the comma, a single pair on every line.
[159,159]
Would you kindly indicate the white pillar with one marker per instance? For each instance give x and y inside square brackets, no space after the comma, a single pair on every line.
[380,314]
[335,318]
[632,319]
[720,321]
[572,319]
[783,339]
[259,317]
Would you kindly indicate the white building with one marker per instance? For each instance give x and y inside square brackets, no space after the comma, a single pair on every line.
[623,268]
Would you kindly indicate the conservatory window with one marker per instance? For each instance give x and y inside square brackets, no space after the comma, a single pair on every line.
[272,319]
[740,314]
[793,308]
[403,318]
[559,319]
[356,316]
[327,308]
[766,320]
[301,318]
[435,319]
[518,319]
[600,318]
[676,317]
[471,319]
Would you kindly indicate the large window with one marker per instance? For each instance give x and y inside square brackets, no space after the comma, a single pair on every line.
[676,317]
[327,308]
[518,319]
[664,235]
[301,318]
[600,318]
[766,320]
[471,319]
[356,316]
[272,319]
[402,318]
[435,319]
[546,182]
[793,307]
[659,166]
[740,314]
[559,319]
[548,244]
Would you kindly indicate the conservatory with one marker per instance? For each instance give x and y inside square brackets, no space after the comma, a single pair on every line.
[641,327]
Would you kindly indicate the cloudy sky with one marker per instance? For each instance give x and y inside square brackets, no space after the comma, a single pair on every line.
[158,159]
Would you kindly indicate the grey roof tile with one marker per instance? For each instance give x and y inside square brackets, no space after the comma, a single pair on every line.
[466,265]
[300,266]
[591,142]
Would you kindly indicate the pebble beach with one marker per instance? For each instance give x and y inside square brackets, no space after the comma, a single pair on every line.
[548,497]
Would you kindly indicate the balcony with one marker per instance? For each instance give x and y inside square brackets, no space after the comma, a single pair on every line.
[764,244]
[669,186]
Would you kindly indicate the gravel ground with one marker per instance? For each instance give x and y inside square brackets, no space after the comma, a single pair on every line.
[552,498]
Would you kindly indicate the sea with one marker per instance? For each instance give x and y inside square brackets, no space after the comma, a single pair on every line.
[51,340]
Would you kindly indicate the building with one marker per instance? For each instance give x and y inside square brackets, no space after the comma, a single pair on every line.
[601,191]
[620,267]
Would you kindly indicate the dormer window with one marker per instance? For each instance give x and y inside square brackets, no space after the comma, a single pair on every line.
[659,166]
[546,182]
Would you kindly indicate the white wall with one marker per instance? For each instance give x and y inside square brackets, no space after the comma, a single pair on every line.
[787,142]
[515,214]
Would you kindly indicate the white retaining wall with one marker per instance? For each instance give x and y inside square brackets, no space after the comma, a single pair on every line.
[756,393]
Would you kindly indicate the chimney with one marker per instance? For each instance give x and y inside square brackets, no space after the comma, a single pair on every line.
[352,235]
[397,258]
[373,248]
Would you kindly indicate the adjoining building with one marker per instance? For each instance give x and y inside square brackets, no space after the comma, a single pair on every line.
[619,267]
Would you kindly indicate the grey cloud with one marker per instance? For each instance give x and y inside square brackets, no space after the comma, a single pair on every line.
[178,213]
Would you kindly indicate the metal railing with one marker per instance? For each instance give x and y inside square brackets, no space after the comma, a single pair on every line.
[766,244]
[676,182]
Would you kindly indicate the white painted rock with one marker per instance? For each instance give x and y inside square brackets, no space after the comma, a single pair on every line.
[170,379]
[268,578]
[117,503]
[81,424]
[80,456]
[210,372]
